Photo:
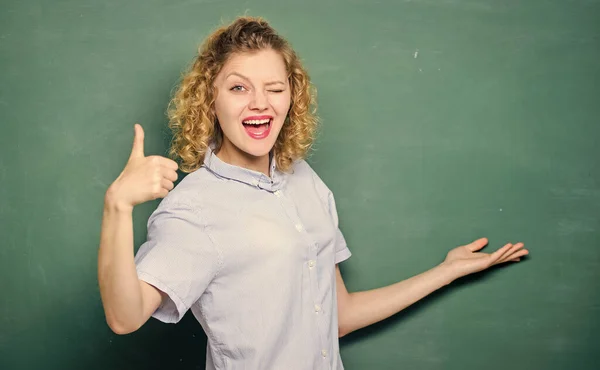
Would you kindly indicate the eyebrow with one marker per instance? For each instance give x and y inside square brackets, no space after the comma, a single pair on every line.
[247,79]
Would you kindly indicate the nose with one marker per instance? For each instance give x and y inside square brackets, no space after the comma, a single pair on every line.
[259,101]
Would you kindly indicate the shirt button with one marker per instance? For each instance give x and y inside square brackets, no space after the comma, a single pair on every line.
[324,352]
[317,308]
[311,263]
[299,227]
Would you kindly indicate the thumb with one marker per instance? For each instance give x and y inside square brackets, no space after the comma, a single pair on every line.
[137,151]
[477,244]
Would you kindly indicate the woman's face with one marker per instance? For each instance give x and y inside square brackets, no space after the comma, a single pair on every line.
[253,99]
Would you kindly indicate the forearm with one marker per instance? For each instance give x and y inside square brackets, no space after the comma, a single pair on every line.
[119,284]
[368,307]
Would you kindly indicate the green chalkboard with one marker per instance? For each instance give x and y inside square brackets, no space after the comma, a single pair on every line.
[443,121]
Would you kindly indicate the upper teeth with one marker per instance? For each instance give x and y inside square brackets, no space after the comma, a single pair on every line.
[257,121]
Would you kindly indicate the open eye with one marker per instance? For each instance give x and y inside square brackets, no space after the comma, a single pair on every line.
[238,88]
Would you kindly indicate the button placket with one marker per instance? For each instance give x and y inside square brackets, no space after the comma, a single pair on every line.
[312,247]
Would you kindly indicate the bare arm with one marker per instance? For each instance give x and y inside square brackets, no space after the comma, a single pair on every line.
[360,309]
[129,302]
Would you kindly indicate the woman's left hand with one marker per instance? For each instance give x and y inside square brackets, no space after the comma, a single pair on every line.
[466,259]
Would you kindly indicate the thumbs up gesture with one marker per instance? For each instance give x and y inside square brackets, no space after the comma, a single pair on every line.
[143,178]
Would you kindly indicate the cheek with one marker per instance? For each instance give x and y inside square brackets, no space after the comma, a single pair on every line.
[282,104]
[229,107]
[219,107]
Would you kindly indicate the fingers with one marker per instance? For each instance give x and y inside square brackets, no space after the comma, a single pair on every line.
[137,151]
[165,174]
[169,174]
[169,163]
[162,190]
[514,252]
[164,182]
[511,251]
[516,256]
[161,193]
[173,165]
[507,250]
[167,185]
[497,255]
[164,162]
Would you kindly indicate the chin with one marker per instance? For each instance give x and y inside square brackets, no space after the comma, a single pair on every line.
[258,149]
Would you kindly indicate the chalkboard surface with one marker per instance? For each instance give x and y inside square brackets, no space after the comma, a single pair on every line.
[442,122]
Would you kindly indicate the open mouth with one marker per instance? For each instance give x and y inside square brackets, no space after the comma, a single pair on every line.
[258,128]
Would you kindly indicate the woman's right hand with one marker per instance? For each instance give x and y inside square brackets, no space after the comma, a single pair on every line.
[143,178]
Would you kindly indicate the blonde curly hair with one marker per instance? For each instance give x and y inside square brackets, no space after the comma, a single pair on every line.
[191,110]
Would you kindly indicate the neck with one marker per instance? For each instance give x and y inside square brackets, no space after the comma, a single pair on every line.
[231,155]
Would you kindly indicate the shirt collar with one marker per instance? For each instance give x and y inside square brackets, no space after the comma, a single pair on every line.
[244,175]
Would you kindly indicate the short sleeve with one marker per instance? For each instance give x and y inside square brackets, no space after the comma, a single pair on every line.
[342,252]
[178,258]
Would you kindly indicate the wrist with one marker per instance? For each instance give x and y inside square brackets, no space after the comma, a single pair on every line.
[448,272]
[112,202]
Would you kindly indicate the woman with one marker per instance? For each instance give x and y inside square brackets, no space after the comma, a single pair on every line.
[249,240]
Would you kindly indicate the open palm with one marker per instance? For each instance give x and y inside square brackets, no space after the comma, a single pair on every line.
[466,259]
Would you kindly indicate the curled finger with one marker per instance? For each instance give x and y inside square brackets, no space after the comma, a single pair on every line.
[169,174]
[167,185]
[169,163]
